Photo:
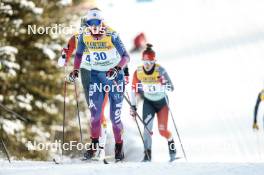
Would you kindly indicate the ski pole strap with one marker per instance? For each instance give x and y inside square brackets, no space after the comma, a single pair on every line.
[137,115]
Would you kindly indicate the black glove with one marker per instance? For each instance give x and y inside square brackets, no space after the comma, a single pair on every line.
[112,73]
[73,75]
[133,111]
[126,71]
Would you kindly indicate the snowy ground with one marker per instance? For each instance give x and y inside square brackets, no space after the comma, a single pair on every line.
[44,168]
[214,54]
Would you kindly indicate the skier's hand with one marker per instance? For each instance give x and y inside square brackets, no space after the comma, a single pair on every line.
[126,72]
[73,75]
[62,59]
[255,126]
[126,80]
[112,73]
[162,80]
[133,111]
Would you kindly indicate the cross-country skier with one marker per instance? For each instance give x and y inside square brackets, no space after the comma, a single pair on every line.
[150,81]
[85,70]
[85,79]
[259,99]
[107,58]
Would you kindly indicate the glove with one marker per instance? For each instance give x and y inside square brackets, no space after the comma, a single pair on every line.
[126,72]
[62,59]
[73,75]
[133,111]
[112,73]
[255,126]
[162,80]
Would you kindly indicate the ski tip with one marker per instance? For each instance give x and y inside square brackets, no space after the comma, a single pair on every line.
[54,160]
[175,158]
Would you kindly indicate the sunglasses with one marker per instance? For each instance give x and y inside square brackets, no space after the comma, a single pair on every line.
[149,62]
[94,22]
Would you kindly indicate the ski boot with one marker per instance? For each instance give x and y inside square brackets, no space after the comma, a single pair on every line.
[100,153]
[119,153]
[89,154]
[147,155]
[172,150]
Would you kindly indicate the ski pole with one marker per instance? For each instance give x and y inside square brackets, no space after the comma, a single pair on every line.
[78,111]
[137,115]
[139,131]
[167,101]
[5,150]
[14,113]
[64,110]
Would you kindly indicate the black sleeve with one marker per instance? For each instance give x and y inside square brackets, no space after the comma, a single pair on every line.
[126,71]
[256,108]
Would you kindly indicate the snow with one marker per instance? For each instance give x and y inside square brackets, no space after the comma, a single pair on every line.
[47,50]
[44,168]
[12,127]
[6,9]
[64,3]
[26,106]
[8,50]
[50,53]
[31,6]
[26,99]
[41,135]
[17,22]
[1,98]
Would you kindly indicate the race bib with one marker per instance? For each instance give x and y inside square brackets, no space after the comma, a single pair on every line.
[103,60]
[152,88]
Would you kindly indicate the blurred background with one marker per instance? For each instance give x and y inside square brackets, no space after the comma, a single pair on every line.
[212,49]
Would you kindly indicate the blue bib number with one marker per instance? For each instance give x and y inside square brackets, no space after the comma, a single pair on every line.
[99,56]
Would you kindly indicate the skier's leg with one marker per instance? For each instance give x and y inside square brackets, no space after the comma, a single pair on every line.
[100,153]
[163,122]
[116,100]
[163,130]
[116,96]
[96,101]
[148,118]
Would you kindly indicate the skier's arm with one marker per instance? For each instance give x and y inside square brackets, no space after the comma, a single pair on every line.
[70,48]
[121,50]
[167,79]
[79,52]
[256,108]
